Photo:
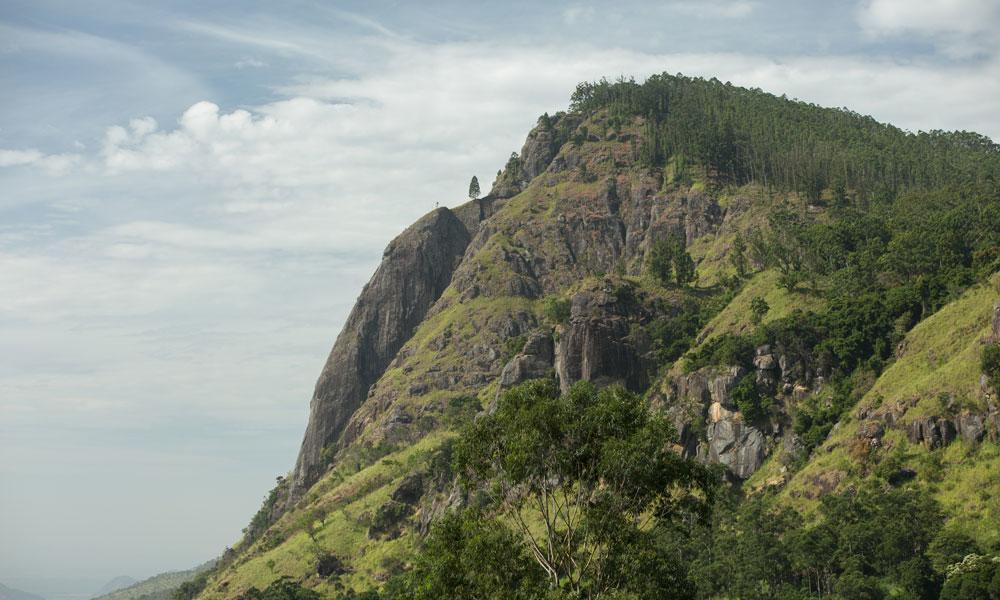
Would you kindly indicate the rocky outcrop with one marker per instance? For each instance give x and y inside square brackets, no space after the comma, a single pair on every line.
[738,446]
[416,268]
[711,426]
[595,345]
[390,518]
[932,431]
[539,149]
[534,361]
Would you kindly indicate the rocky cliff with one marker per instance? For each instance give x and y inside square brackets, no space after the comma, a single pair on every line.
[416,267]
[548,276]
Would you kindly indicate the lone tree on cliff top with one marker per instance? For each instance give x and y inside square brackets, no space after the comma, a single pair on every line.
[474,188]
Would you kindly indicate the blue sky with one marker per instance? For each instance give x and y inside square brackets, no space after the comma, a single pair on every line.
[192,195]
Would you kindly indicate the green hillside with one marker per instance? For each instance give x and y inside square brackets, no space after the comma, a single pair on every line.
[800,300]
[158,587]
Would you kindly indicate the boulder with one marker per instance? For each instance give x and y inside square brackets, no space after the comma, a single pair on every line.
[930,431]
[970,427]
[735,444]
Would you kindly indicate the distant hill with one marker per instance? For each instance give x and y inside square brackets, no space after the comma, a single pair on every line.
[118,583]
[7,593]
[157,587]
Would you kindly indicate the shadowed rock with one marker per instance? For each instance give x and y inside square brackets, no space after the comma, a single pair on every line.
[416,268]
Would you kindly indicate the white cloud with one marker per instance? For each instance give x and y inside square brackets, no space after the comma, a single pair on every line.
[437,113]
[960,27]
[930,16]
[52,164]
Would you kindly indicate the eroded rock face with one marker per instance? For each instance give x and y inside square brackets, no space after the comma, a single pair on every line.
[735,444]
[416,267]
[594,345]
[931,431]
[540,147]
[534,361]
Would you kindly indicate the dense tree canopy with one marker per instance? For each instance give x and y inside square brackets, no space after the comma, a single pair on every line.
[748,135]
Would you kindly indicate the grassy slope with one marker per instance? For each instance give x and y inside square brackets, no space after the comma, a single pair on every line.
[340,506]
[338,510]
[941,357]
[736,319]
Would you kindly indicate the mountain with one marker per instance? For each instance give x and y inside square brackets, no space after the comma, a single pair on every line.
[807,298]
[157,587]
[122,581]
[7,593]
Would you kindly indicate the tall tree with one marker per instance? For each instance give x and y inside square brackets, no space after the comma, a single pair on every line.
[586,480]
[474,188]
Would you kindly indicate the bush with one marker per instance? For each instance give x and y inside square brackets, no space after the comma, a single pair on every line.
[990,364]
[556,309]
[758,308]
[284,588]
[975,578]
[749,401]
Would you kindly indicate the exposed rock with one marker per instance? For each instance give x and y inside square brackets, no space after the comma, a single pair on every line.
[870,430]
[594,346]
[764,362]
[735,444]
[330,566]
[410,489]
[534,361]
[720,387]
[539,149]
[416,267]
[931,431]
[717,413]
[388,521]
[970,427]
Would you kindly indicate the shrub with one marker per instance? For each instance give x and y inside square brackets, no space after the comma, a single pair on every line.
[556,309]
[990,364]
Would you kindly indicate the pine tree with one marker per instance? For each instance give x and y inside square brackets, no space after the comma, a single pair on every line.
[474,188]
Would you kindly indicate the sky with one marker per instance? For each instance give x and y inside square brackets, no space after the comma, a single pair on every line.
[192,195]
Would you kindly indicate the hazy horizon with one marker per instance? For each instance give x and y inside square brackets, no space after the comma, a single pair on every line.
[194,197]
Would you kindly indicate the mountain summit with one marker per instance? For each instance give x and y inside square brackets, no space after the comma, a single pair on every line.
[806,295]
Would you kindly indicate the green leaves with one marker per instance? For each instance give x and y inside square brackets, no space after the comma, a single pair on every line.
[990,364]
[669,261]
[581,478]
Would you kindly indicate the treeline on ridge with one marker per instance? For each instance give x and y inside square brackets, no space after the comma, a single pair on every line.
[746,135]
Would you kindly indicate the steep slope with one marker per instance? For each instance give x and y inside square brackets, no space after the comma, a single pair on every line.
[549,276]
[416,267]
[929,416]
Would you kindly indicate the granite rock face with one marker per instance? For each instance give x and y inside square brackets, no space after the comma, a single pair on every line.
[738,446]
[594,345]
[534,361]
[540,148]
[416,268]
